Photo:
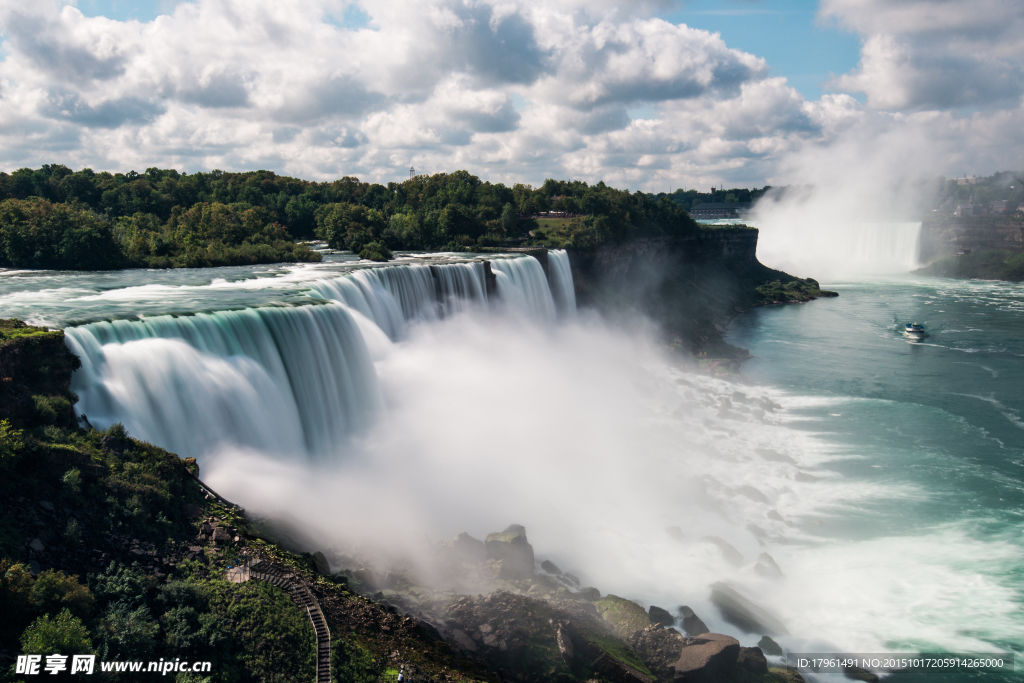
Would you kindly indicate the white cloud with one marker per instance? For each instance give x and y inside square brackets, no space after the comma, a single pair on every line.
[509,90]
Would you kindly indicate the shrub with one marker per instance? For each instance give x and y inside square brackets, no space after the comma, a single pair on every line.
[54,590]
[64,634]
[11,443]
[376,251]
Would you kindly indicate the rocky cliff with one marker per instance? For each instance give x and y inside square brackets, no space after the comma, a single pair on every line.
[947,235]
[692,286]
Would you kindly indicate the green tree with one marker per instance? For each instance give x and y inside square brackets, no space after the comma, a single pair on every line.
[53,590]
[64,634]
[509,222]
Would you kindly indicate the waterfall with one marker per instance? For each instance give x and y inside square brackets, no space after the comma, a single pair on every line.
[524,287]
[560,279]
[392,296]
[826,250]
[291,380]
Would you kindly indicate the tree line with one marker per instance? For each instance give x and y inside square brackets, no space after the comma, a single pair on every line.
[53,217]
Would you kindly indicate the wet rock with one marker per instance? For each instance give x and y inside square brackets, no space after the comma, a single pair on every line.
[37,545]
[625,616]
[515,553]
[589,593]
[618,672]
[661,616]
[744,613]
[469,549]
[707,659]
[858,674]
[767,567]
[572,577]
[753,660]
[220,535]
[550,567]
[692,624]
[769,646]
[463,640]
[728,551]
[46,505]
[565,649]
[322,565]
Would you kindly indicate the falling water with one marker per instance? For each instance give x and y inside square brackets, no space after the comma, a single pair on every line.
[524,287]
[560,279]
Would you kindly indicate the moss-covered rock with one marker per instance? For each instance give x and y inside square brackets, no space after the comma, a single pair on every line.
[625,616]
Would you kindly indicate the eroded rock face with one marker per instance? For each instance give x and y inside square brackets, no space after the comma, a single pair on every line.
[513,551]
[769,646]
[322,565]
[744,613]
[692,624]
[708,658]
[753,660]
[660,616]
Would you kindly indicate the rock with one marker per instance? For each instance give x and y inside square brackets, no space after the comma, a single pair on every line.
[371,579]
[753,494]
[220,535]
[625,616]
[550,567]
[692,624]
[37,545]
[463,640]
[752,659]
[572,577]
[513,550]
[469,549]
[660,616]
[590,593]
[709,658]
[767,568]
[322,565]
[565,650]
[769,646]
[745,613]
[858,674]
[192,511]
[618,672]
[729,553]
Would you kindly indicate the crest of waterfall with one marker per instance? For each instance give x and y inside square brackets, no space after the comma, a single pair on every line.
[290,380]
[524,287]
[821,249]
[560,279]
[394,295]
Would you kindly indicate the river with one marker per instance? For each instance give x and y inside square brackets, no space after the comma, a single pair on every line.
[382,404]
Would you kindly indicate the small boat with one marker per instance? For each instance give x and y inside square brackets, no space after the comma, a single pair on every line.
[914,331]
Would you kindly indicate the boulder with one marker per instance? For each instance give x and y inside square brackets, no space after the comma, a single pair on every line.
[744,613]
[692,624]
[37,545]
[769,646]
[220,535]
[565,649]
[469,549]
[709,658]
[572,577]
[766,567]
[322,565]
[753,660]
[625,616]
[589,593]
[515,553]
[550,567]
[463,640]
[617,671]
[660,616]
[729,553]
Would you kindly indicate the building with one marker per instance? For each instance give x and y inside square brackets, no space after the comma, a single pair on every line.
[967,180]
[720,210]
[964,209]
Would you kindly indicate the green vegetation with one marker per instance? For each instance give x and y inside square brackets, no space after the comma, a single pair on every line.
[53,217]
[687,199]
[792,291]
[990,264]
[998,186]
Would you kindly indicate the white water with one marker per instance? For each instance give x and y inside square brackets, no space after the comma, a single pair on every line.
[560,279]
[587,435]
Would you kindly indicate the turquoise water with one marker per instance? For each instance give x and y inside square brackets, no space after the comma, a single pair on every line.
[938,421]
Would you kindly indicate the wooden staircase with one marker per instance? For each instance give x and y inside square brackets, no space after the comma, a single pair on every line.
[298,590]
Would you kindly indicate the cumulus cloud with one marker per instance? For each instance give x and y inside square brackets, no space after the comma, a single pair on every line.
[510,90]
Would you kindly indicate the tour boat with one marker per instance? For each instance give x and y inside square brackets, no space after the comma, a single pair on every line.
[914,331]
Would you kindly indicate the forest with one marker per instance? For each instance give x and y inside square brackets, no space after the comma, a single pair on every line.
[56,218]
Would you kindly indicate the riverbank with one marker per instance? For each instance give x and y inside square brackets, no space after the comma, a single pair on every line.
[989,264]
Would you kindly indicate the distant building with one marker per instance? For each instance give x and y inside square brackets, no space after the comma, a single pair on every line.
[967,180]
[720,209]
[964,209]
[998,206]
